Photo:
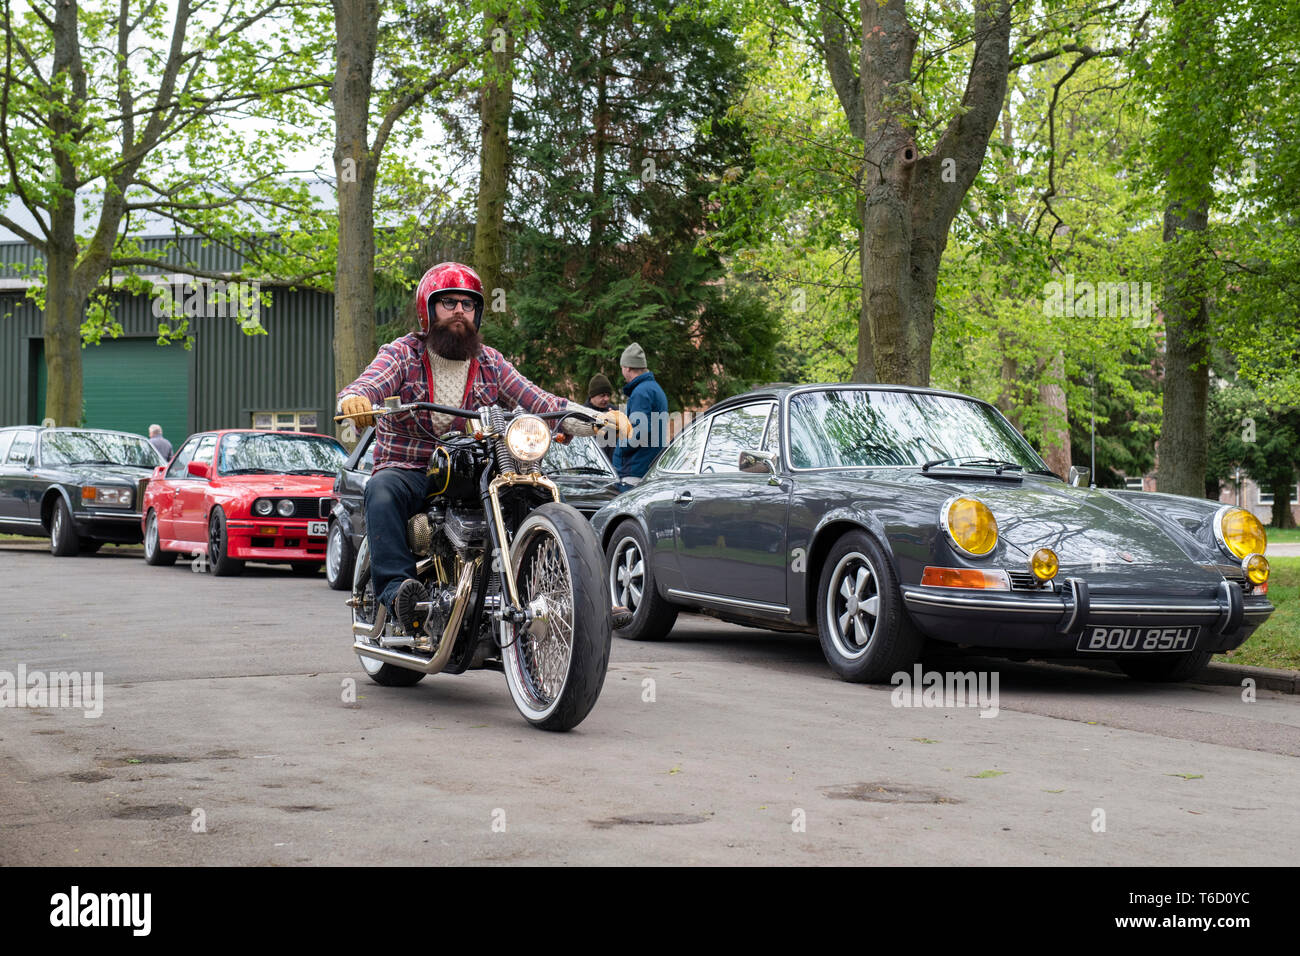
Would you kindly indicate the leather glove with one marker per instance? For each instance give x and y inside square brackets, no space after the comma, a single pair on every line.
[616,420]
[577,427]
[355,405]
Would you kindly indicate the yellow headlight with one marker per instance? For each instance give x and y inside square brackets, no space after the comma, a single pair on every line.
[1240,532]
[970,525]
[1256,568]
[1044,564]
[528,438]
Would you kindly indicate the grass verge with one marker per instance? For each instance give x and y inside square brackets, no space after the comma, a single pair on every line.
[1277,642]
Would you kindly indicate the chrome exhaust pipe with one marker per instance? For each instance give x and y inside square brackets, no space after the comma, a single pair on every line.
[425,665]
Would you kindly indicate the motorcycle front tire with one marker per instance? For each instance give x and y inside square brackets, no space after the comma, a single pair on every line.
[555,668]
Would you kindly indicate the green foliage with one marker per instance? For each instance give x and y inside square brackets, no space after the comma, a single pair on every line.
[192,142]
[618,135]
[1260,437]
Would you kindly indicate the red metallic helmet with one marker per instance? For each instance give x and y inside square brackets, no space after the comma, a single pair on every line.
[448,277]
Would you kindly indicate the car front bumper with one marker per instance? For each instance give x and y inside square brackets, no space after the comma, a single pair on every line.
[1052,622]
[288,540]
[117,525]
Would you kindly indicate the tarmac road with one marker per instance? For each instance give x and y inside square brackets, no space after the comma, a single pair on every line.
[225,738]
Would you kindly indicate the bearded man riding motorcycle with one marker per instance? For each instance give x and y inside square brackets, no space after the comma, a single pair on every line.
[445,363]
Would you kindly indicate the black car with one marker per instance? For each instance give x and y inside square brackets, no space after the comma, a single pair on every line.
[878,516]
[583,474]
[81,487]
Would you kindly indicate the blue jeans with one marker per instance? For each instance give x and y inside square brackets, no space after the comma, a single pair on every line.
[393,496]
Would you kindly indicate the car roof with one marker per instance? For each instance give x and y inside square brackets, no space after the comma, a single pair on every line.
[776,391]
[264,431]
[97,431]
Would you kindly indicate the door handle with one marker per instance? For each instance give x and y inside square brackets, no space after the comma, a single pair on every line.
[683,498]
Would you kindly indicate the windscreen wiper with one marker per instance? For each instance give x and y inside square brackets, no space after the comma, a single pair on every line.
[999,463]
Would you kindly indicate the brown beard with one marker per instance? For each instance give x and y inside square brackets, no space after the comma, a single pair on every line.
[451,344]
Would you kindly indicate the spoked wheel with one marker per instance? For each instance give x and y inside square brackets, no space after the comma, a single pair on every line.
[632,585]
[386,675]
[556,664]
[865,633]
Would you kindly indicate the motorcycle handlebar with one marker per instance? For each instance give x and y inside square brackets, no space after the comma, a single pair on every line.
[456,412]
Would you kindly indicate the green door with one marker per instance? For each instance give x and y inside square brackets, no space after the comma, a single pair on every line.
[128,385]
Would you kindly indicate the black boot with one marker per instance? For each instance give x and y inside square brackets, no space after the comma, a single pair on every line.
[410,593]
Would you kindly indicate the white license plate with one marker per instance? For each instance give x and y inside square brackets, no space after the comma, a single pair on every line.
[1138,640]
[318,529]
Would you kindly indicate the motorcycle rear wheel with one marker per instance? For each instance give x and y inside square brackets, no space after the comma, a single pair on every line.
[555,668]
[386,675]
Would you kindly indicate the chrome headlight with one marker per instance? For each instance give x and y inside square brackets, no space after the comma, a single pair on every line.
[970,525]
[285,508]
[528,438]
[1255,568]
[1239,532]
[106,497]
[263,507]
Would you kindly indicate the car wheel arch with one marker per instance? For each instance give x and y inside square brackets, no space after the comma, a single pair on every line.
[832,528]
[613,524]
[52,494]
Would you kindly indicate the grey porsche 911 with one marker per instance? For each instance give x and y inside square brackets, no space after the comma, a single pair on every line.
[878,516]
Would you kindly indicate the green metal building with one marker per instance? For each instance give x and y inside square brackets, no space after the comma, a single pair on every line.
[225,379]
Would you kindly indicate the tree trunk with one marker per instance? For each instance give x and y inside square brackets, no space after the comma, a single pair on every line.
[1184,452]
[908,201]
[494,156]
[1282,517]
[1056,427]
[63,310]
[65,299]
[356,22]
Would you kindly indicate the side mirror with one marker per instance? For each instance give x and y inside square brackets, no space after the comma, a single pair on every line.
[758,462]
[197,469]
[1078,477]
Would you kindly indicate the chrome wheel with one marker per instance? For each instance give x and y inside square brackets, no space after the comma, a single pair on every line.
[627,574]
[853,605]
[364,610]
[543,648]
[153,553]
[151,536]
[57,531]
[555,663]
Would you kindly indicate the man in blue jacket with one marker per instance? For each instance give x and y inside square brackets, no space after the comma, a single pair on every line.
[647,410]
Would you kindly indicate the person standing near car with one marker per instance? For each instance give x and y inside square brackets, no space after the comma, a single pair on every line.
[647,412]
[160,444]
[600,393]
[445,362]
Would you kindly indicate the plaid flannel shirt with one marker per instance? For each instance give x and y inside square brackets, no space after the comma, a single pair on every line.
[401,440]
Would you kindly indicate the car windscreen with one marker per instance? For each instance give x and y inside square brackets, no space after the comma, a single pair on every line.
[579,456]
[848,428]
[248,453]
[97,448]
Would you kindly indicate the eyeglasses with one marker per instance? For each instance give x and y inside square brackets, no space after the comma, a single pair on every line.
[451,305]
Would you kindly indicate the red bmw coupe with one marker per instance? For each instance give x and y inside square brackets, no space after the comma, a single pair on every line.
[243,495]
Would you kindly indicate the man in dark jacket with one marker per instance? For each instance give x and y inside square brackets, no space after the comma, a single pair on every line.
[647,411]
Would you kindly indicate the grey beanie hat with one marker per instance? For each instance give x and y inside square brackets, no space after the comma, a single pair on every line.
[633,357]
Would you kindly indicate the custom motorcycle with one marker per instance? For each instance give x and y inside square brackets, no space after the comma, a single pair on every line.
[514,575]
